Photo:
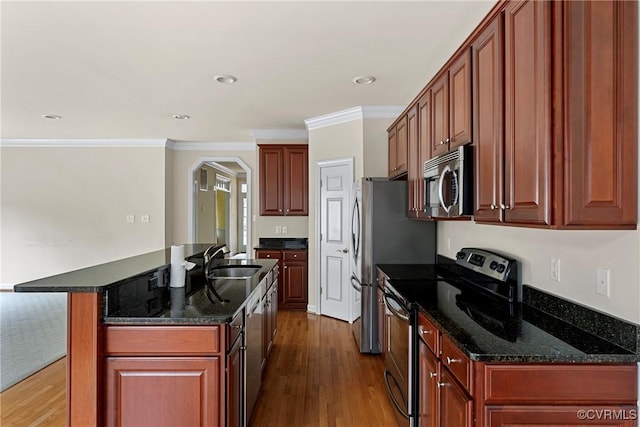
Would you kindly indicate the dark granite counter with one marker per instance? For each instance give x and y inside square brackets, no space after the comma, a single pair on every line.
[521,332]
[199,302]
[284,243]
[100,277]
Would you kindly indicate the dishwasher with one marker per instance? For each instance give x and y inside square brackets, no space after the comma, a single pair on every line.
[253,372]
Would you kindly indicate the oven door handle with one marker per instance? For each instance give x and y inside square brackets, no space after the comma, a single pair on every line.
[388,374]
[387,297]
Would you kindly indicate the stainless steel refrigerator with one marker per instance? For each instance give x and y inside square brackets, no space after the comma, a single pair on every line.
[382,234]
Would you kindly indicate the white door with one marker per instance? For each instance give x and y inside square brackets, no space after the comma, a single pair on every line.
[335,233]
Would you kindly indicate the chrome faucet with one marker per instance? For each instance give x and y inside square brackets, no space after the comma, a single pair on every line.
[214,252]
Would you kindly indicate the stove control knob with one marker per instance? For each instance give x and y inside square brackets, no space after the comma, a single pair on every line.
[501,268]
[460,255]
[493,265]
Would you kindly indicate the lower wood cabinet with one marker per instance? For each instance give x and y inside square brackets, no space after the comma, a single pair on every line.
[235,385]
[525,416]
[156,391]
[293,278]
[269,317]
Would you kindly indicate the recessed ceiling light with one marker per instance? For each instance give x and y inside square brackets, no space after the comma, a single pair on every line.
[52,116]
[364,80]
[225,78]
[181,116]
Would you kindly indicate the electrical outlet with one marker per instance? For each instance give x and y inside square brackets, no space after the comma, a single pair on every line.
[555,269]
[144,218]
[603,281]
[284,229]
[278,229]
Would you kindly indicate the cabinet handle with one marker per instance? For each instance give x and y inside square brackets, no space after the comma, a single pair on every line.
[447,140]
[433,374]
[441,142]
[493,206]
[237,326]
[505,207]
[450,360]
[426,332]
[439,384]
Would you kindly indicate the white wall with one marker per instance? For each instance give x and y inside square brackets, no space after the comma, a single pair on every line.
[66,208]
[580,253]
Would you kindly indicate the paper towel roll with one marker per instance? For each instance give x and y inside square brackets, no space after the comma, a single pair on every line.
[177,275]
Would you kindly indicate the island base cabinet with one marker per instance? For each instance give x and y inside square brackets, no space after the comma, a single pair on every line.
[547,416]
[162,391]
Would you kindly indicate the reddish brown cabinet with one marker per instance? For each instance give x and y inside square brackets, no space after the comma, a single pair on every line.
[293,277]
[398,148]
[429,402]
[451,114]
[414,169]
[284,180]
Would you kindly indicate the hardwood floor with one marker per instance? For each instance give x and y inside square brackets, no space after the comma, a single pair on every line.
[315,377]
[39,400]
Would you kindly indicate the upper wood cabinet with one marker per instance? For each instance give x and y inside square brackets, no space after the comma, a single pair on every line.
[414,171]
[513,173]
[597,184]
[451,114]
[398,146]
[284,180]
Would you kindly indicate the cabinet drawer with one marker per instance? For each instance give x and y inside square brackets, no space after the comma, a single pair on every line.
[561,383]
[457,362]
[234,328]
[271,254]
[429,333]
[295,255]
[162,340]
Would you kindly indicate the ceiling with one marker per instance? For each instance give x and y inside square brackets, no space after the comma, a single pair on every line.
[120,70]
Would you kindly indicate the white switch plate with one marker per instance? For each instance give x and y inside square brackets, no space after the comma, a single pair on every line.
[278,229]
[144,218]
[284,229]
[555,269]
[603,281]
[131,218]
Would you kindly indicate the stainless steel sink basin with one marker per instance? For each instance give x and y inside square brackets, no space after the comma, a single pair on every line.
[234,271]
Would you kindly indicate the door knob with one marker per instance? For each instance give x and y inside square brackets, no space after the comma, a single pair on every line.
[344,251]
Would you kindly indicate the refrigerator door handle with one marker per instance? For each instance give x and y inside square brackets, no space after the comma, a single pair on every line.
[357,285]
[355,229]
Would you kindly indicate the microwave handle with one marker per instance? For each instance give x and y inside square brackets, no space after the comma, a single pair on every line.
[441,185]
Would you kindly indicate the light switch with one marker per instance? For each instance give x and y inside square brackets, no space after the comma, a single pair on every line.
[284,229]
[131,218]
[278,229]
[144,218]
[603,281]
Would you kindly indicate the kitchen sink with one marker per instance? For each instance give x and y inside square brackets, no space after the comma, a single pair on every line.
[234,271]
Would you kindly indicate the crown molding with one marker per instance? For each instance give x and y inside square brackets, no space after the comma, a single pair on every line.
[355,113]
[83,143]
[280,133]
[221,168]
[212,146]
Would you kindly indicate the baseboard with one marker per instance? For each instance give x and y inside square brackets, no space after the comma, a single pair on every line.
[312,309]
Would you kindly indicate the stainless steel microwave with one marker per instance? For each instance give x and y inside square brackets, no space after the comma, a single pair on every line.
[448,184]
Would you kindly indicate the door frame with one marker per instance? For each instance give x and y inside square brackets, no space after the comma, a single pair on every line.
[191,192]
[344,161]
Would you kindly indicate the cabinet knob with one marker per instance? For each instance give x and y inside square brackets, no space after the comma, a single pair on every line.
[493,206]
[447,140]
[425,332]
[441,142]
[450,360]
[279,210]
[286,266]
[505,207]
[433,374]
[442,384]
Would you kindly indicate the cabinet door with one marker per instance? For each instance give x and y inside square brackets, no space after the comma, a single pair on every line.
[295,279]
[428,397]
[440,115]
[382,324]
[527,112]
[600,64]
[393,151]
[552,416]
[488,119]
[425,136]
[154,391]
[413,166]
[460,101]
[455,406]
[235,386]
[296,180]
[271,180]
[401,149]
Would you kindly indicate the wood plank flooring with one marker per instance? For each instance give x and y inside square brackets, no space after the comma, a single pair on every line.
[315,377]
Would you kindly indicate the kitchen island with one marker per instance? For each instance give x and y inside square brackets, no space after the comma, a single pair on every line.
[142,353]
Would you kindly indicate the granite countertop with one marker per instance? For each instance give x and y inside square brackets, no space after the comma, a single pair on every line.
[100,277]
[509,333]
[133,303]
[284,243]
